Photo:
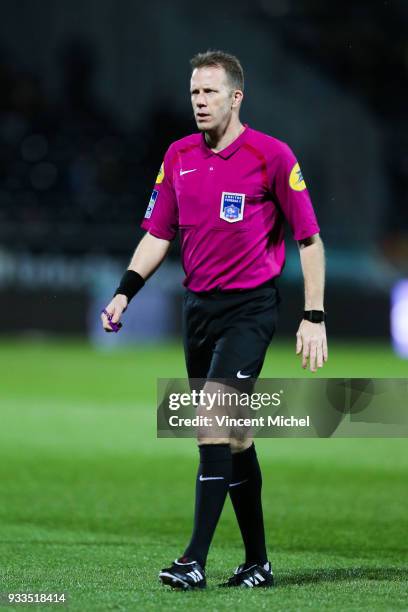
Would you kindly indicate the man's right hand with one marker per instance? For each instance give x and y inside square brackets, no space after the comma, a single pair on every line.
[115,308]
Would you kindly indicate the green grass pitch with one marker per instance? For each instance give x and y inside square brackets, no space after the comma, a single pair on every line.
[91,503]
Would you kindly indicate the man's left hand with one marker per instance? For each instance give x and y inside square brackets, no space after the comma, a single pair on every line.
[312,343]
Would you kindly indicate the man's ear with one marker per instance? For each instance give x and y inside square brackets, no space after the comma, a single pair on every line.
[237,97]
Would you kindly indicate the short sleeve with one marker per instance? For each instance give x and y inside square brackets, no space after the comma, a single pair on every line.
[290,190]
[161,216]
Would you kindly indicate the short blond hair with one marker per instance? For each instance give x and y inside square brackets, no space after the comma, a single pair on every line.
[230,63]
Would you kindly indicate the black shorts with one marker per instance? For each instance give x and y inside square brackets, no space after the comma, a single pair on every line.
[227,334]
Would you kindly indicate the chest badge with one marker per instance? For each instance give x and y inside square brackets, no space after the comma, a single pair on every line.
[232,206]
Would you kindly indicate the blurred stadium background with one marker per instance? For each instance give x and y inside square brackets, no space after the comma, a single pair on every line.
[92,95]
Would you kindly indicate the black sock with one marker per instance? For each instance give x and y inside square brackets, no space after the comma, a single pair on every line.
[213,478]
[245,493]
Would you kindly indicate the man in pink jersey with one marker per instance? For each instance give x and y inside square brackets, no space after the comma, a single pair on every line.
[227,190]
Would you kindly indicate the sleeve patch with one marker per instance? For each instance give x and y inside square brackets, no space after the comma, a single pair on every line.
[160,176]
[296,181]
[151,204]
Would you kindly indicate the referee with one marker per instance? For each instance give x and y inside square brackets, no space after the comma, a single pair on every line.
[227,190]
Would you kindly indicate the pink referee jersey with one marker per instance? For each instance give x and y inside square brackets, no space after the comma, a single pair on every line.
[229,208]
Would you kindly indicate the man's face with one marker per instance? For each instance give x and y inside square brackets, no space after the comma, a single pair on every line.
[211,97]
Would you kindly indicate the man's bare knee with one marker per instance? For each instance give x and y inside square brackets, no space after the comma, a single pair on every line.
[209,440]
[238,446]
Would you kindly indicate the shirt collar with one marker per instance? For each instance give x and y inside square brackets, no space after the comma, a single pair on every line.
[228,151]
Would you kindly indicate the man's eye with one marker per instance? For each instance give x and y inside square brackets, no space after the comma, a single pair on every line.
[206,91]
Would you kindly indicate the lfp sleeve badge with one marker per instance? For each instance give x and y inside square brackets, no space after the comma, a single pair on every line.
[232,206]
[151,204]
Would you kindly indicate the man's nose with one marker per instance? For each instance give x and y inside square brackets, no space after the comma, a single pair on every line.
[201,101]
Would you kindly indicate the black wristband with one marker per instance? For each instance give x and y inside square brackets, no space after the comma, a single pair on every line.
[314,316]
[130,283]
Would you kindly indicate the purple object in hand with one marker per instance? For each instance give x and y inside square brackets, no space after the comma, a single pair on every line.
[115,326]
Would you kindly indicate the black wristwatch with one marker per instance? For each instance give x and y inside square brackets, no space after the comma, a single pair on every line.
[314,316]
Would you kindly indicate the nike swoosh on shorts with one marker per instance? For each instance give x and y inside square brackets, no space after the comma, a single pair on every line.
[240,375]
